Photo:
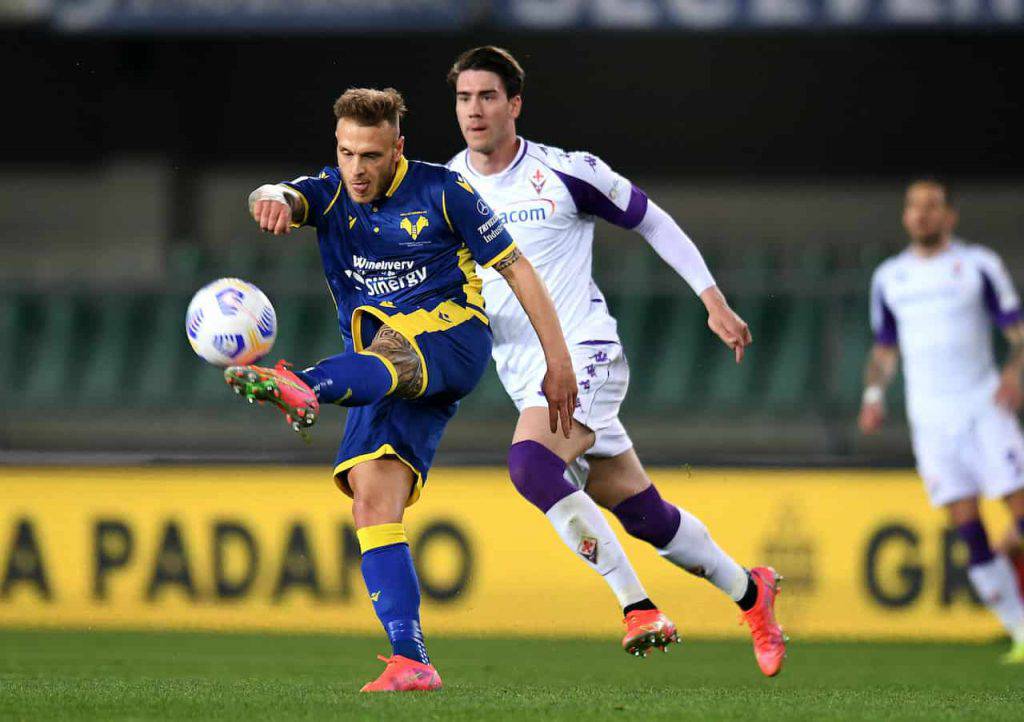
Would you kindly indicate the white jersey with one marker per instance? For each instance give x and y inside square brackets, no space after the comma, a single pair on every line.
[940,311]
[548,200]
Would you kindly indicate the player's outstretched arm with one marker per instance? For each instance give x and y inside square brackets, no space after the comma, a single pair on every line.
[1010,393]
[560,380]
[276,209]
[669,241]
[878,374]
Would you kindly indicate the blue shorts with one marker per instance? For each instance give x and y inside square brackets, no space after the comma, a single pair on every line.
[454,345]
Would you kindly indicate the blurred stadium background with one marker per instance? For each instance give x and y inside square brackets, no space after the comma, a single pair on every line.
[780,133]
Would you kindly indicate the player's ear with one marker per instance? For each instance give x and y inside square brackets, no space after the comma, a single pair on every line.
[516,106]
[400,146]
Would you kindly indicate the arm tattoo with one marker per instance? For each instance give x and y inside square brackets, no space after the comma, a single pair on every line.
[508,260]
[881,367]
[396,348]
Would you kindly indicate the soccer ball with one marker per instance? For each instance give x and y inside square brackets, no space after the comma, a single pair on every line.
[230,323]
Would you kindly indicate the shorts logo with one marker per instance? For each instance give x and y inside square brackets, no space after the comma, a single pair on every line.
[588,549]
[414,230]
[375,597]
[482,208]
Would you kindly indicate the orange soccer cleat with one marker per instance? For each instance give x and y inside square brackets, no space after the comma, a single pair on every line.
[769,641]
[280,387]
[646,629]
[404,675]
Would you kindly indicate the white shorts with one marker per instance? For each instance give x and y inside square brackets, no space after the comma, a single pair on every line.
[984,457]
[603,376]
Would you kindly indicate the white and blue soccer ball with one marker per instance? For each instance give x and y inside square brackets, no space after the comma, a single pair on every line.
[231,323]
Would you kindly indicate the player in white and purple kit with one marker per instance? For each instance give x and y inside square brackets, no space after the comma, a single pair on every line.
[934,304]
[549,199]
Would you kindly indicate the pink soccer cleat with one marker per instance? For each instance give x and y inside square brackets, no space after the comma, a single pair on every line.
[280,387]
[404,675]
[769,641]
[646,629]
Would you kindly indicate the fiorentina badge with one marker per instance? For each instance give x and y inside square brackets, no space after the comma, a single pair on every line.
[588,549]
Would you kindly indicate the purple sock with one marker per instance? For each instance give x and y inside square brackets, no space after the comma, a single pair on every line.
[538,474]
[649,517]
[974,536]
[1020,527]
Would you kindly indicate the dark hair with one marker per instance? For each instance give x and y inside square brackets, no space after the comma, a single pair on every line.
[941,183]
[496,60]
[369,106]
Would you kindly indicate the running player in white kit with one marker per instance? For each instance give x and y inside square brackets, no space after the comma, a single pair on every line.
[934,304]
[549,199]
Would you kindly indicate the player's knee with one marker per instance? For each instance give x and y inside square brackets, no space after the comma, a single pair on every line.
[538,474]
[648,517]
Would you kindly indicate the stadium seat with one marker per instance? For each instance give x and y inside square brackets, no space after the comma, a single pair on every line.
[110,351]
[54,351]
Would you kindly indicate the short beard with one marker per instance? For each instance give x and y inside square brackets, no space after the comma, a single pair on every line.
[930,240]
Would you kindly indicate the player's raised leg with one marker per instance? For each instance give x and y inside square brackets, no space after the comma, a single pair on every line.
[537,466]
[619,483]
[380,490]
[348,379]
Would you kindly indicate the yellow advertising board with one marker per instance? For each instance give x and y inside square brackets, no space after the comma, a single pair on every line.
[273,548]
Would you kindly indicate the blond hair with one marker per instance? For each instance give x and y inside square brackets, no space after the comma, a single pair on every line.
[369,106]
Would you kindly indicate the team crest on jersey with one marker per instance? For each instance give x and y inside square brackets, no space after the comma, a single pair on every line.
[414,229]
[588,549]
[537,180]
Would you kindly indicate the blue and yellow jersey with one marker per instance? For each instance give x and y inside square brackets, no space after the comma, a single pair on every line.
[408,256]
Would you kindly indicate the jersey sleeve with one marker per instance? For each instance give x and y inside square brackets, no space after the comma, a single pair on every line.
[1001,297]
[317,192]
[598,190]
[473,221]
[883,322]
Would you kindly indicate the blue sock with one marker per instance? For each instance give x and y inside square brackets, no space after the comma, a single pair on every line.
[350,379]
[974,536]
[395,591]
[1020,527]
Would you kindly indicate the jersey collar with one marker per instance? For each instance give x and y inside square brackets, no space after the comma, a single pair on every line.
[520,154]
[400,171]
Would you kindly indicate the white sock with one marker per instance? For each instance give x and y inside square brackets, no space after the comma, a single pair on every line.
[693,549]
[583,528]
[996,584]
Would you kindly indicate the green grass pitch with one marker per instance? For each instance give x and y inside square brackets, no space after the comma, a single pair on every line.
[142,676]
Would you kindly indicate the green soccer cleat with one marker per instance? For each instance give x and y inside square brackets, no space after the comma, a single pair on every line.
[1015,655]
[280,387]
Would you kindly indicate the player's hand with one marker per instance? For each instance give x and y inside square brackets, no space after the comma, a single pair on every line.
[560,389]
[1010,395]
[726,324]
[872,416]
[273,216]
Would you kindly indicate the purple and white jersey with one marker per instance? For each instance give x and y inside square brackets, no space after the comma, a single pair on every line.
[549,200]
[940,311]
